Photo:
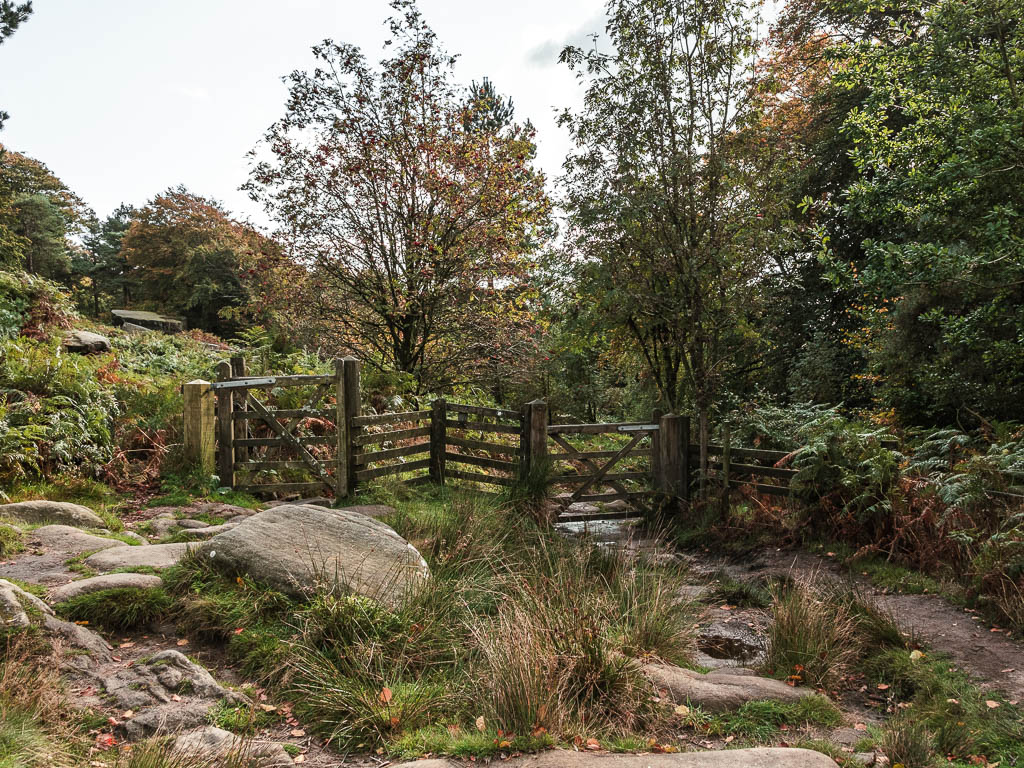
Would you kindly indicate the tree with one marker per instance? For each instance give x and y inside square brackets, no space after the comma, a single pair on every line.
[12,16]
[663,208]
[39,217]
[187,257]
[403,216]
[937,147]
[486,110]
[102,265]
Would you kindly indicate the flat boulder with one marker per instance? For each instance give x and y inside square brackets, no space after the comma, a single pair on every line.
[100,583]
[296,547]
[375,511]
[759,757]
[60,512]
[153,556]
[721,690]
[215,743]
[86,342]
[17,605]
[70,540]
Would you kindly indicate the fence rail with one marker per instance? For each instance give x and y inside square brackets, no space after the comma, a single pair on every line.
[329,442]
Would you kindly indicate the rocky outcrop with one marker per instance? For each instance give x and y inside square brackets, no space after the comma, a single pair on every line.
[100,583]
[153,556]
[60,512]
[718,691]
[86,343]
[761,757]
[296,547]
[16,604]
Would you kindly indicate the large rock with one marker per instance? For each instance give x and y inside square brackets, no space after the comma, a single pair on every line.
[86,342]
[16,604]
[213,743]
[295,547]
[760,757]
[126,556]
[719,691]
[99,583]
[62,512]
[70,540]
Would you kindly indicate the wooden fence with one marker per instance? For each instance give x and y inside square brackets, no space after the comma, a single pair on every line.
[325,442]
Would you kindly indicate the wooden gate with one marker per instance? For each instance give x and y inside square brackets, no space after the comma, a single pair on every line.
[587,468]
[279,433]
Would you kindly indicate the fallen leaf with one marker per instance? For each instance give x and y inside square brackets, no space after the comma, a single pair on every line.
[682,710]
[729,739]
[480,724]
[182,642]
[240,630]
[82,623]
[268,707]
[992,704]
[593,744]
[299,759]
[859,727]
[129,644]
[883,686]
[916,655]
[175,697]
[127,714]
[298,733]
[385,695]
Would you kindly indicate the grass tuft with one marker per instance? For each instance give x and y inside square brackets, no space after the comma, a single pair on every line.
[121,608]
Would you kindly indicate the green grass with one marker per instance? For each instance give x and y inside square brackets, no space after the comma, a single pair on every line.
[120,608]
[465,743]
[951,707]
[743,594]
[12,540]
[762,721]
[88,493]
[240,718]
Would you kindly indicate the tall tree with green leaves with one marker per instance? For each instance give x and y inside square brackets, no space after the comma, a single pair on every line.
[664,213]
[417,230]
[101,266]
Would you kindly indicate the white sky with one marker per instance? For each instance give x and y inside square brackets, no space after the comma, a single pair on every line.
[124,98]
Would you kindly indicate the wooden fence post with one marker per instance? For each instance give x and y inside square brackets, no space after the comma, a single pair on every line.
[535,435]
[438,440]
[725,467]
[657,475]
[672,476]
[239,370]
[199,425]
[684,437]
[347,370]
[225,429]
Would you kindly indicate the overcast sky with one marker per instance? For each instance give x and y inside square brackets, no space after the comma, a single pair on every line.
[124,98]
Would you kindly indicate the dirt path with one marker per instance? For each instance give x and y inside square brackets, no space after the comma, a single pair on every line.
[979,649]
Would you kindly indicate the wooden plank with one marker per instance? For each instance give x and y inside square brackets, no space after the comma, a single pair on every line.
[593,429]
[296,413]
[479,426]
[369,438]
[606,497]
[390,418]
[595,478]
[256,466]
[476,410]
[753,469]
[269,382]
[609,478]
[479,461]
[483,445]
[279,487]
[584,455]
[225,430]
[755,454]
[479,477]
[771,490]
[265,442]
[392,469]
[391,453]
[276,426]
[588,463]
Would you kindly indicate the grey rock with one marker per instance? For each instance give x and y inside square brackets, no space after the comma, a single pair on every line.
[718,691]
[187,522]
[209,531]
[70,540]
[759,757]
[15,605]
[295,547]
[60,512]
[732,640]
[167,718]
[134,537]
[864,758]
[150,320]
[99,583]
[316,501]
[213,742]
[133,329]
[86,342]
[81,638]
[154,556]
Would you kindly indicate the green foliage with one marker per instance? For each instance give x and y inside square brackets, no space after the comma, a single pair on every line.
[760,721]
[118,609]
